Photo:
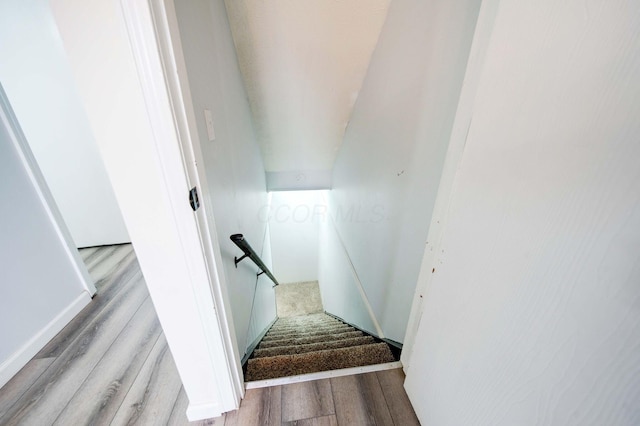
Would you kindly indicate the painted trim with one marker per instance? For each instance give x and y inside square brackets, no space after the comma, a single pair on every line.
[175,71]
[197,412]
[356,277]
[22,356]
[357,327]
[42,189]
[393,343]
[154,38]
[323,375]
[105,245]
[396,347]
[461,125]
[256,342]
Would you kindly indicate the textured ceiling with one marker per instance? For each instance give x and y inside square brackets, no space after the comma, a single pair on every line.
[303,63]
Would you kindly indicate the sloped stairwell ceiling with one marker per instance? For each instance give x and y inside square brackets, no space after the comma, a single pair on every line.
[303,63]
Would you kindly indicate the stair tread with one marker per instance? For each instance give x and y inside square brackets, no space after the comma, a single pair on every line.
[324,360]
[311,347]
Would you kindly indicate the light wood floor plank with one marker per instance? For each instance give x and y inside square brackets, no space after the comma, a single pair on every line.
[55,387]
[100,396]
[392,384]
[260,407]
[87,254]
[359,400]
[151,398]
[111,365]
[306,400]
[21,382]
[100,259]
[125,274]
[109,261]
[231,418]
[101,354]
[179,414]
[316,421]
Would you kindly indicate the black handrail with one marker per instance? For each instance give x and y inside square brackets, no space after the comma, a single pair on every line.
[239,240]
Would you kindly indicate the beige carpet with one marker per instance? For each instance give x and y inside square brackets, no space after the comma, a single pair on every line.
[298,299]
[311,343]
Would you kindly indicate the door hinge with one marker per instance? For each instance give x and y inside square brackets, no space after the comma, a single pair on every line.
[193,199]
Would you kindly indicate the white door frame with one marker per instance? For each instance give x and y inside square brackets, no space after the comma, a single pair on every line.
[156,47]
[175,72]
[458,139]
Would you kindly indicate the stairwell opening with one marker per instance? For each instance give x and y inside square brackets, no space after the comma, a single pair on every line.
[310,333]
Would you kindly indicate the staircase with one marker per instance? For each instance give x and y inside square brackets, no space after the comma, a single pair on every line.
[311,343]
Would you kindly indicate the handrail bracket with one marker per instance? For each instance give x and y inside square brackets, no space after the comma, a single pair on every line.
[239,240]
[238,260]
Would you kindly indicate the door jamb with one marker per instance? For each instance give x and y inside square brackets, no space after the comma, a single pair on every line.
[175,71]
[460,130]
[154,38]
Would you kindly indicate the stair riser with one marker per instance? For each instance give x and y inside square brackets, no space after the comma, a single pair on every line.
[299,326]
[314,332]
[314,339]
[279,326]
[312,347]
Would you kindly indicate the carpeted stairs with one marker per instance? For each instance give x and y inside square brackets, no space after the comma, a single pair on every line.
[311,343]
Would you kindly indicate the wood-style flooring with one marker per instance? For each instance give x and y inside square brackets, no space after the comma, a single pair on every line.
[363,399]
[111,365]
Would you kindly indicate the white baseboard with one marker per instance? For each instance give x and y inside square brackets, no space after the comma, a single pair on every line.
[203,411]
[22,356]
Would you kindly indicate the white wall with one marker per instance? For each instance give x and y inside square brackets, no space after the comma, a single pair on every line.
[233,165]
[294,221]
[339,285]
[41,288]
[386,175]
[533,312]
[264,310]
[37,78]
